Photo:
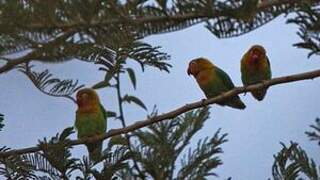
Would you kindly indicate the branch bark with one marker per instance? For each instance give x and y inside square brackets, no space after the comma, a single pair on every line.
[169,115]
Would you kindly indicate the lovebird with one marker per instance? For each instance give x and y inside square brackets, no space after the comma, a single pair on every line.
[91,120]
[255,68]
[213,81]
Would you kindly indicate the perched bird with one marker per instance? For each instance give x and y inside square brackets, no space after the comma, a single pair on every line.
[213,81]
[255,68]
[91,120]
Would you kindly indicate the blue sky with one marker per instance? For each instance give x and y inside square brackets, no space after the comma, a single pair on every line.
[254,133]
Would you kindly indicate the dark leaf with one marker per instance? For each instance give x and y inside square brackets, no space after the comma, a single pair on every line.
[40,164]
[135,100]
[132,77]
[111,114]
[65,133]
[1,121]
[315,135]
[101,84]
[292,162]
[199,163]
[16,167]
[52,86]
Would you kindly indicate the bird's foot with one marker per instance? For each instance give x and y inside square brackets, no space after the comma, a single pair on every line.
[246,91]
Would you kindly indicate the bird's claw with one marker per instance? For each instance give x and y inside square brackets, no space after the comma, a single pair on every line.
[245,93]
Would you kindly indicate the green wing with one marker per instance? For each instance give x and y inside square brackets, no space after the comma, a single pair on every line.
[104,112]
[91,123]
[103,122]
[269,73]
[227,83]
[225,78]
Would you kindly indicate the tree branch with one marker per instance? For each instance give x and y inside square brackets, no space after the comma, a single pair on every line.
[178,111]
[12,63]
[152,19]
[74,26]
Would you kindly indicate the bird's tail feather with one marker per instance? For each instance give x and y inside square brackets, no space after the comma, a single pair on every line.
[235,102]
[94,150]
[259,94]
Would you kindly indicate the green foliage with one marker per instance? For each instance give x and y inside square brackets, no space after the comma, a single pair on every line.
[308,20]
[71,30]
[129,99]
[146,55]
[109,34]
[55,161]
[282,168]
[111,114]
[85,167]
[106,32]
[102,32]
[132,77]
[115,161]
[199,162]
[292,162]
[51,86]
[57,152]
[240,17]
[15,167]
[315,135]
[163,142]
[41,165]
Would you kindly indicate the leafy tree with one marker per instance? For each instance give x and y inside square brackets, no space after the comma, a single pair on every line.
[293,162]
[111,33]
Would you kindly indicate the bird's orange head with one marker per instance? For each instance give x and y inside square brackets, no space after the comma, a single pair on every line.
[198,65]
[256,52]
[87,100]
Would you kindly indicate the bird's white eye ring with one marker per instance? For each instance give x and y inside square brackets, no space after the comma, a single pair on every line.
[192,63]
[84,95]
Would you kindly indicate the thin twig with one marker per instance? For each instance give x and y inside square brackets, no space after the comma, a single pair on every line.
[123,122]
[174,113]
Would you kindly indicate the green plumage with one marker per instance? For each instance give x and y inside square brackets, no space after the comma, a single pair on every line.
[91,120]
[218,83]
[255,71]
[92,124]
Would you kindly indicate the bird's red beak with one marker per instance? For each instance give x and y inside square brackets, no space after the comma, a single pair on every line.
[79,102]
[192,68]
[189,71]
[255,56]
